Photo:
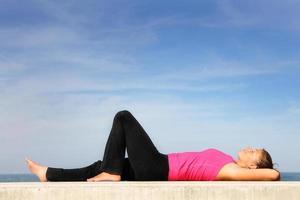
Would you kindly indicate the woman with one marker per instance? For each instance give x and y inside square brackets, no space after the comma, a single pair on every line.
[146,163]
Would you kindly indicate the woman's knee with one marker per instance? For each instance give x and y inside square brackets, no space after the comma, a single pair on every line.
[123,114]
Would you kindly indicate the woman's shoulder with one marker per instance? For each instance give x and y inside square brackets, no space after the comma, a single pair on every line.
[226,171]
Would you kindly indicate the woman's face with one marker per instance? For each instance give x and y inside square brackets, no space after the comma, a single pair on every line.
[250,156]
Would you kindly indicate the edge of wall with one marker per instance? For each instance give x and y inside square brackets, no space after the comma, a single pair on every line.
[158,190]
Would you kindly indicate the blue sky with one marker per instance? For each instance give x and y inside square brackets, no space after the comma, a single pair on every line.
[196,74]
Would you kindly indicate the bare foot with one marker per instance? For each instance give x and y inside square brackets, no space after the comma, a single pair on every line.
[38,170]
[104,176]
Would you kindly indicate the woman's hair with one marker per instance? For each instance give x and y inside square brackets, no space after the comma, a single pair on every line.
[265,161]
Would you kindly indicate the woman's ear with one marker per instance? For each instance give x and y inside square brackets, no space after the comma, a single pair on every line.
[252,166]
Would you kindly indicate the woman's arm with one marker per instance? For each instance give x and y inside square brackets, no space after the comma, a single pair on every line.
[244,174]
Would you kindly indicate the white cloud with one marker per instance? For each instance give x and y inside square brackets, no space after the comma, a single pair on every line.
[263,14]
[271,14]
[220,70]
[294,109]
[37,37]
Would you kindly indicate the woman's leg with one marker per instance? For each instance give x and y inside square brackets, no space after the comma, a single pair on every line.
[82,174]
[78,174]
[146,161]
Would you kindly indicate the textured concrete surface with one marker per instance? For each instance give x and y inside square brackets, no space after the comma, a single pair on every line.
[171,190]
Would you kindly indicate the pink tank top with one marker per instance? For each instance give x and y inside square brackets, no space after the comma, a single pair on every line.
[197,166]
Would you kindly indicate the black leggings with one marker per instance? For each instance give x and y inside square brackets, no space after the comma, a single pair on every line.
[144,162]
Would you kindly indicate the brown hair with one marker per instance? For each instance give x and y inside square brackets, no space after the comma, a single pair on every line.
[265,161]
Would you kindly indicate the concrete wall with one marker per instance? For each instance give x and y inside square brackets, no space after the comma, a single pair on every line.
[177,190]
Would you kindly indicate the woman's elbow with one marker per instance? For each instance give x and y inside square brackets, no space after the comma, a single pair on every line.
[276,176]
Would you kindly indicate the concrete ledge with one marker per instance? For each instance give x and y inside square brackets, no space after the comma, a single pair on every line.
[175,190]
